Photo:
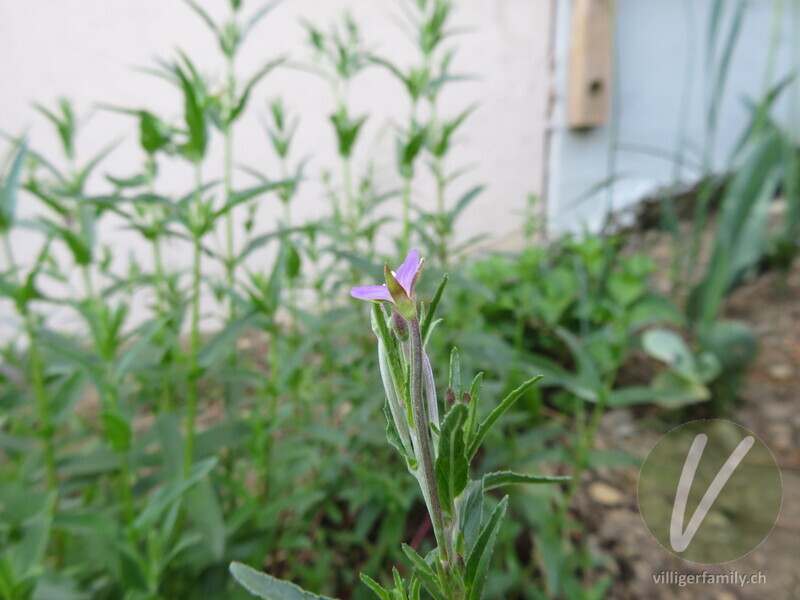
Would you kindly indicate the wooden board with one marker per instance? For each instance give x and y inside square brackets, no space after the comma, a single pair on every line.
[590,64]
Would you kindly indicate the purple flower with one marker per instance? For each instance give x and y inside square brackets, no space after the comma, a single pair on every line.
[399,287]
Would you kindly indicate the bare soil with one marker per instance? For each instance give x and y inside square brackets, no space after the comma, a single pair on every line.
[770,407]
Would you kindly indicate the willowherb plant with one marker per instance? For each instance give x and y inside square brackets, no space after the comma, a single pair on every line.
[438,444]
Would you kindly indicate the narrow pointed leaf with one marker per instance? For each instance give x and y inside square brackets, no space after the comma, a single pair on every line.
[265,586]
[478,561]
[498,412]
[452,467]
[501,478]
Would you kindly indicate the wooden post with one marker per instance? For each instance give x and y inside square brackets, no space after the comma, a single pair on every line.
[590,64]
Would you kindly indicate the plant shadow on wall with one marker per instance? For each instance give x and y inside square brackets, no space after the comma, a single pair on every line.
[140,456]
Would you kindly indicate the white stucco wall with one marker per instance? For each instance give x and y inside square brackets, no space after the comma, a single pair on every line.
[660,56]
[86,50]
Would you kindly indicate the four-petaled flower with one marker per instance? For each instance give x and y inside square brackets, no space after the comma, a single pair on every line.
[399,287]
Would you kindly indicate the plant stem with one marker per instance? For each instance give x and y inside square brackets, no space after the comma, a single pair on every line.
[37,376]
[441,184]
[194,342]
[111,405]
[160,281]
[87,283]
[425,457]
[406,239]
[40,393]
[272,410]
[352,217]
[228,175]
[230,260]
[585,440]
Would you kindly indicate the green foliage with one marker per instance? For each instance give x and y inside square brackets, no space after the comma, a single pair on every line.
[140,455]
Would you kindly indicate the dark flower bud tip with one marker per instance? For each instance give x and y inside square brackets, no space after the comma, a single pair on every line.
[400,326]
[450,396]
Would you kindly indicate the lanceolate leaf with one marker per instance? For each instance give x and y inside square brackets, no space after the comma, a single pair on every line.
[254,20]
[424,572]
[380,591]
[265,586]
[431,312]
[478,560]
[469,506]
[452,467]
[501,478]
[507,403]
[237,110]
[247,194]
[8,193]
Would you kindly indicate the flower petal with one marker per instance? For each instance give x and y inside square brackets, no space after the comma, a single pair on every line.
[372,292]
[408,270]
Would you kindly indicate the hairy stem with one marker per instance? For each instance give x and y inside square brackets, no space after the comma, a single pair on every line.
[425,449]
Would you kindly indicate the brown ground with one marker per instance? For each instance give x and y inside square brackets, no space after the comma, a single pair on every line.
[769,407]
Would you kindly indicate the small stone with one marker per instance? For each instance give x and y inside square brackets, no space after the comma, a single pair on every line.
[781,371]
[603,493]
[781,435]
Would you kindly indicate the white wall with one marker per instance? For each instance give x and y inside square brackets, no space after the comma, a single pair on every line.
[660,56]
[85,50]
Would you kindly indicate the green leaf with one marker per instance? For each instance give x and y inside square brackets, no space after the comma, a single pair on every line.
[204,16]
[117,431]
[424,572]
[268,587]
[249,193]
[452,466]
[203,506]
[498,412]
[146,334]
[11,184]
[463,203]
[65,124]
[223,343]
[248,88]
[469,506]
[431,312]
[501,478]
[172,492]
[380,591]
[195,114]
[478,561]
[254,20]
[347,130]
[587,369]
[669,347]
[475,395]
[169,432]
[154,134]
[455,372]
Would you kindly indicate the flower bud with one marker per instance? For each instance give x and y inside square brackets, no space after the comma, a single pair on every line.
[399,326]
[450,396]
[466,398]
